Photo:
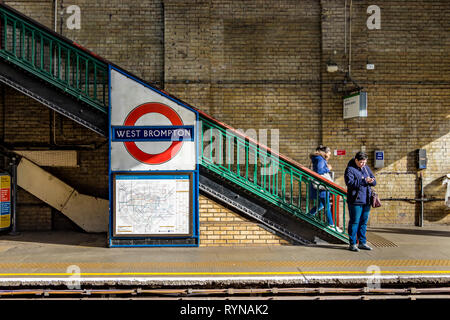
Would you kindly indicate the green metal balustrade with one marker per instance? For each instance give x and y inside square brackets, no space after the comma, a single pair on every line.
[265,173]
[61,63]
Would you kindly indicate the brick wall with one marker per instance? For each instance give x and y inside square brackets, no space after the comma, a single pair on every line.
[233,59]
[267,59]
[408,100]
[128,33]
[33,213]
[28,125]
[222,227]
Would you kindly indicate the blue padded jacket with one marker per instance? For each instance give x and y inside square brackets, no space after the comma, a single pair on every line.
[358,190]
[319,166]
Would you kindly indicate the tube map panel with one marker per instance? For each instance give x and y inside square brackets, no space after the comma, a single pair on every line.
[155,205]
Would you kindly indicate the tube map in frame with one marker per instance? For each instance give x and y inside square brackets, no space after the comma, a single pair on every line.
[152,205]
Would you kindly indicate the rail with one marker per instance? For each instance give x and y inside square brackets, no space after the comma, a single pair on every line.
[52,58]
[297,293]
[271,176]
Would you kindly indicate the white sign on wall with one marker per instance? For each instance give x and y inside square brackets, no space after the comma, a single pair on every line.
[355,105]
[149,131]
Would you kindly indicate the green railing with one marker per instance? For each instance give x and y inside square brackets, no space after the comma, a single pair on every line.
[40,52]
[265,173]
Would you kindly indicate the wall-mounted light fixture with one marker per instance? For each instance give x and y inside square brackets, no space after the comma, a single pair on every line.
[332,66]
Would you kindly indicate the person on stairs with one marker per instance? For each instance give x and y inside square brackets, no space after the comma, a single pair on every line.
[320,165]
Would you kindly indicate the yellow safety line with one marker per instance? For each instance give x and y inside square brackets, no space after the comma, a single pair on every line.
[222,273]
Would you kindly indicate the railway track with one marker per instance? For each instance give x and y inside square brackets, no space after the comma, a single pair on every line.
[298,293]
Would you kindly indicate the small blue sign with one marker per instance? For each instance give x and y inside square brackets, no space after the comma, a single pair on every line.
[5,208]
[379,155]
[152,133]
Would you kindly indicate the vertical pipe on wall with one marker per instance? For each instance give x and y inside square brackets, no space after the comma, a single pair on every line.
[53,112]
[350,40]
[345,27]
[321,78]
[61,21]
[55,8]
[163,44]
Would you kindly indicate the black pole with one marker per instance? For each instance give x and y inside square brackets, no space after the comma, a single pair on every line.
[421,202]
[13,163]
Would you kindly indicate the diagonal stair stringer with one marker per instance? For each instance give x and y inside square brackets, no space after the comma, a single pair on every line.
[89,213]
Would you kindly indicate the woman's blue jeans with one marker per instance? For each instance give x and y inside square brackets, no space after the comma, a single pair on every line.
[324,203]
[357,225]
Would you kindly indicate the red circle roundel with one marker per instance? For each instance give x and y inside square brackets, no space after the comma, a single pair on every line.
[145,157]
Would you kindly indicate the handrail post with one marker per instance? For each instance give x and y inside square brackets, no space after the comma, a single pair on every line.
[308,184]
[292,186]
[338,220]
[300,191]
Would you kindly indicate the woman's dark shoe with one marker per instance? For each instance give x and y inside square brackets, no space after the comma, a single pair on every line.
[364,246]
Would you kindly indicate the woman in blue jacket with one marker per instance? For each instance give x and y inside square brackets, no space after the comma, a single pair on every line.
[358,178]
[320,164]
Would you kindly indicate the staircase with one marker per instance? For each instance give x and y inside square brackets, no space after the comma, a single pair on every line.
[89,213]
[235,170]
[53,70]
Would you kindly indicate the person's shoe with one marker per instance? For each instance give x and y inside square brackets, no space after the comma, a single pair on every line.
[364,246]
[331,226]
[353,247]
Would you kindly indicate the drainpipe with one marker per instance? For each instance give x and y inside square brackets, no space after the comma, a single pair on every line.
[55,7]
[349,70]
[321,116]
[163,40]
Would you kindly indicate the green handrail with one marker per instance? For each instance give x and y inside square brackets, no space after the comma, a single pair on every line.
[42,53]
[272,177]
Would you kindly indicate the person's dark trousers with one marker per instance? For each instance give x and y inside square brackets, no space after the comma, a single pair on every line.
[357,225]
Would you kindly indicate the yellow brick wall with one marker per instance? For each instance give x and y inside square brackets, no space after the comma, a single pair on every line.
[220,226]
[408,101]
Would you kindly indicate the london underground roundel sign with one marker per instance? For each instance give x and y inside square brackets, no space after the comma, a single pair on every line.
[149,131]
[132,147]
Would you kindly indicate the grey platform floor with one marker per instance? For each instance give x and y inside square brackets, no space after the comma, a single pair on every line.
[401,255]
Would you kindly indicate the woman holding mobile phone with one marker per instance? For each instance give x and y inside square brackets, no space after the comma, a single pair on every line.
[358,178]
